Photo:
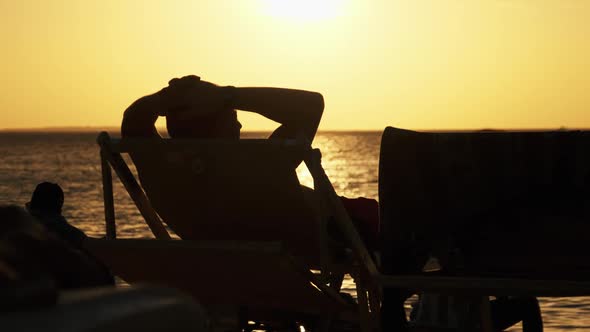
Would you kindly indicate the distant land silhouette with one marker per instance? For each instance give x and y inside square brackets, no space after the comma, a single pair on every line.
[117,129]
[75,129]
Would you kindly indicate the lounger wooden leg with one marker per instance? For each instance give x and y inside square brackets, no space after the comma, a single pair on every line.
[107,192]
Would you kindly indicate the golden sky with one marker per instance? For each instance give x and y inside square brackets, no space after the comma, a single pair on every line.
[415,63]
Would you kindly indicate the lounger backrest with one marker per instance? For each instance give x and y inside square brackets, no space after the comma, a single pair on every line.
[436,187]
[226,190]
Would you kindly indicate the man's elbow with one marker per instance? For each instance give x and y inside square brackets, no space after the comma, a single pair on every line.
[129,122]
[139,119]
[316,104]
[315,111]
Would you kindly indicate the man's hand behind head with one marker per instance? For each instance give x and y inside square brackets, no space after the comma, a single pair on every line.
[185,80]
[189,97]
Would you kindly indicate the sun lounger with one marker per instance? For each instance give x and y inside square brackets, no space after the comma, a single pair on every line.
[250,237]
[504,213]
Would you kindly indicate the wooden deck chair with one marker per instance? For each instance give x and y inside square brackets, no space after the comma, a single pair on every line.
[504,213]
[249,235]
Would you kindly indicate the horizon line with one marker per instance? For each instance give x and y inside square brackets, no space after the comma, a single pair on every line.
[117,128]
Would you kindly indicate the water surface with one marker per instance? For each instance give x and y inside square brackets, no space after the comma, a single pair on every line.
[72,160]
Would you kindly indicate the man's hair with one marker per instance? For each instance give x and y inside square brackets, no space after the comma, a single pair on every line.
[48,197]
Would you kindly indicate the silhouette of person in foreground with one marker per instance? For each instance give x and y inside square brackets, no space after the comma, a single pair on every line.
[46,205]
[29,252]
[198,109]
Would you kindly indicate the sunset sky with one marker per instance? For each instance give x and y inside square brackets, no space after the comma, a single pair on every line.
[421,64]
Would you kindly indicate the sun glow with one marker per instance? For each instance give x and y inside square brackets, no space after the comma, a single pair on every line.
[304,10]
[426,64]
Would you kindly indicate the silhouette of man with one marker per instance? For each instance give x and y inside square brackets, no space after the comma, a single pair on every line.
[198,109]
[46,206]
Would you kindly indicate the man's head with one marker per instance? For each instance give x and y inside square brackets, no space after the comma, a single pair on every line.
[221,124]
[200,109]
[47,198]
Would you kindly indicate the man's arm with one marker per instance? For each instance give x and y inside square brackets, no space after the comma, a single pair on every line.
[297,111]
[139,119]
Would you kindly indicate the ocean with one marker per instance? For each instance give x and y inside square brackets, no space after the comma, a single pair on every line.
[71,159]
